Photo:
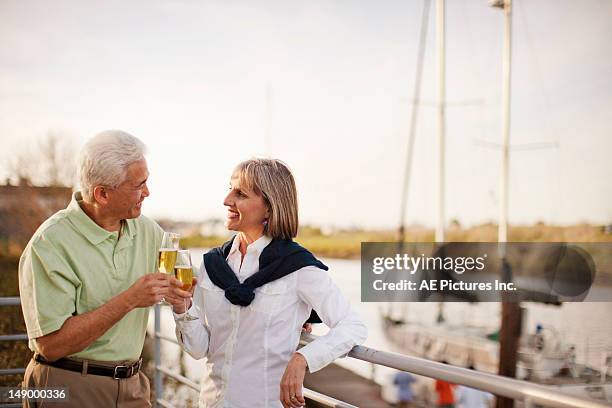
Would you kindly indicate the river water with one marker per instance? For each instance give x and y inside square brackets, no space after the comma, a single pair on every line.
[588,325]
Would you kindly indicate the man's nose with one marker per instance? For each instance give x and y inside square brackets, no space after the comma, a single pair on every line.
[145,191]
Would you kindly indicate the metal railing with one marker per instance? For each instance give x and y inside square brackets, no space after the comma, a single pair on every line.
[11,301]
[527,392]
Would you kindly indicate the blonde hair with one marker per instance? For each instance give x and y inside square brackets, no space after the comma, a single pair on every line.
[273,180]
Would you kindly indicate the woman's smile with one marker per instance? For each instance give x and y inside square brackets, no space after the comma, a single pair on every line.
[246,210]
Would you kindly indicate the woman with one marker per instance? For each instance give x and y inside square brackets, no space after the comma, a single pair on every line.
[254,294]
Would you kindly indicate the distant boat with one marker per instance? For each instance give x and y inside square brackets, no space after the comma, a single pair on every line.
[543,356]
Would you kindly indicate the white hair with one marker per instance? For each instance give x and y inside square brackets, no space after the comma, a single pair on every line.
[105,158]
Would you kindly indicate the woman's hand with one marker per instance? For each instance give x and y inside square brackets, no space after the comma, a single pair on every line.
[292,381]
[180,299]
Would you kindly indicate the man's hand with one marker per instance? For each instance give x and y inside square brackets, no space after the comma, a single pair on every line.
[149,289]
[291,384]
[307,328]
[179,298]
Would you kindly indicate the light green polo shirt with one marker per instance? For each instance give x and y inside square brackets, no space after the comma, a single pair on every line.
[72,266]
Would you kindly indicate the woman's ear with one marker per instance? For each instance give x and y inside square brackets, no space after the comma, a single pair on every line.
[267,215]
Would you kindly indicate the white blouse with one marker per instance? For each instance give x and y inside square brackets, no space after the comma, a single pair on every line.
[246,349]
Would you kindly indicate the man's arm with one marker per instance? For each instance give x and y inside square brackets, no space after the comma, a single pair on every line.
[80,331]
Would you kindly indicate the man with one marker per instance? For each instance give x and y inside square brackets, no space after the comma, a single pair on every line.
[472,398]
[86,282]
[405,395]
[446,393]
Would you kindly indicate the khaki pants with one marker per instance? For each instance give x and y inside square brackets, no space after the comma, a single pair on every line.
[91,391]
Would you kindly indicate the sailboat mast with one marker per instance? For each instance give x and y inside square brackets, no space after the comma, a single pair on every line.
[416,101]
[507,76]
[440,40]
[268,122]
[511,323]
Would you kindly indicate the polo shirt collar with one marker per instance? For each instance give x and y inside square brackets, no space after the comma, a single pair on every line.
[86,226]
[130,227]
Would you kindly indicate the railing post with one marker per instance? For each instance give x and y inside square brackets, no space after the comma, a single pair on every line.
[157,377]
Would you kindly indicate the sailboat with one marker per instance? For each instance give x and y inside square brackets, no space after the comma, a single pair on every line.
[540,356]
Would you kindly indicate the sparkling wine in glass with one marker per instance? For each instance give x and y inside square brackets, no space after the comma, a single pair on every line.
[183,271]
[166,257]
[167,252]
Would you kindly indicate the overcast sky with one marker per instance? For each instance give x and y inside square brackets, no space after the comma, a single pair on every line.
[200,82]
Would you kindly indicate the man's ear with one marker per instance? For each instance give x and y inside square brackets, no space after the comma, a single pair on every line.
[100,195]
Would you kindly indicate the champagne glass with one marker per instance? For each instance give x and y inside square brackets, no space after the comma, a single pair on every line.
[184,272]
[167,254]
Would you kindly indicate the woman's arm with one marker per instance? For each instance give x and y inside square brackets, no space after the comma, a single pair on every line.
[317,289]
[193,335]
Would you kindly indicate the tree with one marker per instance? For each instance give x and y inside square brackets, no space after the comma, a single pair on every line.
[51,163]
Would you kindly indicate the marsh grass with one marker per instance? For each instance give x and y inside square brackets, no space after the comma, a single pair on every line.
[346,244]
